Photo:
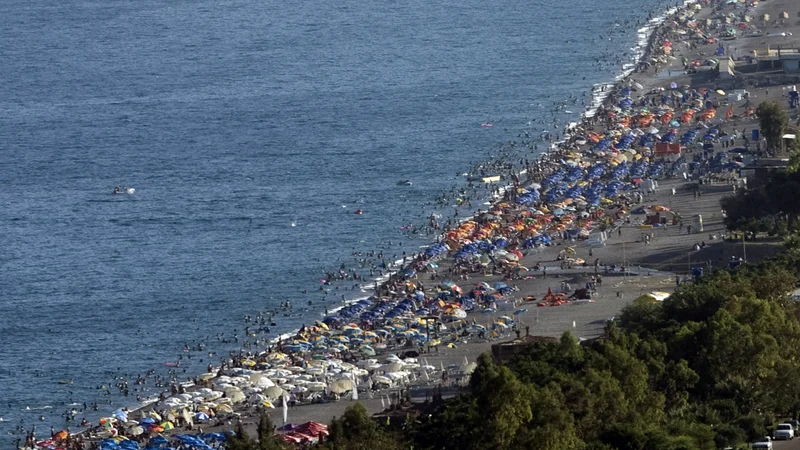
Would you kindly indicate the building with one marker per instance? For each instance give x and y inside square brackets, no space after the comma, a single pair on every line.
[726,68]
[786,59]
[759,171]
[787,141]
[503,351]
[790,60]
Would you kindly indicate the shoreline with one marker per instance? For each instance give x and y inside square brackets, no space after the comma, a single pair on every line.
[545,156]
[547,160]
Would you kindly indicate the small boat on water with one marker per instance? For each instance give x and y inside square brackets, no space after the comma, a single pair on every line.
[485,178]
[404,183]
[70,381]
[123,190]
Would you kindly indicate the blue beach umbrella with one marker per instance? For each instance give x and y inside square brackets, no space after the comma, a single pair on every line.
[159,440]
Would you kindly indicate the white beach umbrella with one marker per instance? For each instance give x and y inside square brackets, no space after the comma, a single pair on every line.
[342,385]
[257,398]
[265,382]
[394,367]
[274,392]
[315,370]
[316,386]
[382,380]
[235,394]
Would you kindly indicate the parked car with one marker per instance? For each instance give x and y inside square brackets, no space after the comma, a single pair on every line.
[784,431]
[795,425]
[764,444]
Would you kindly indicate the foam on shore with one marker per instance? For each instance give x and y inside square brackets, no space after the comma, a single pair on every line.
[645,34]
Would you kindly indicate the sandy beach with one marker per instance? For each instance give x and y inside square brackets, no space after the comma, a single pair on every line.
[635,256]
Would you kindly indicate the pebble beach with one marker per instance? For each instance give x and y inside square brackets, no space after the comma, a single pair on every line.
[567,240]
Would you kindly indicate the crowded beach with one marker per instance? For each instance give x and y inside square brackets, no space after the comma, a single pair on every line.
[607,215]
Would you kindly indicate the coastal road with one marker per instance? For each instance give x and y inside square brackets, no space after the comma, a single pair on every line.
[787,445]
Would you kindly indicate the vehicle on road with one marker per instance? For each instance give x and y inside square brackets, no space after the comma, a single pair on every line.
[764,443]
[784,431]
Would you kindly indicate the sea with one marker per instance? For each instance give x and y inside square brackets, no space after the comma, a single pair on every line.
[251,131]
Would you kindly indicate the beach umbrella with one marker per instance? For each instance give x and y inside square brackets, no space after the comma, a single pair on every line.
[224,409]
[167,425]
[274,392]
[136,431]
[159,440]
[147,421]
[235,394]
[469,368]
[61,435]
[201,416]
[342,385]
[394,367]
[382,380]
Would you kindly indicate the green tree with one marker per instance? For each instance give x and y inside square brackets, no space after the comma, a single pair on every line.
[746,210]
[356,430]
[267,440]
[503,402]
[239,440]
[773,121]
[794,155]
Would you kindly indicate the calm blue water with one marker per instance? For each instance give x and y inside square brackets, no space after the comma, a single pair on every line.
[234,119]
